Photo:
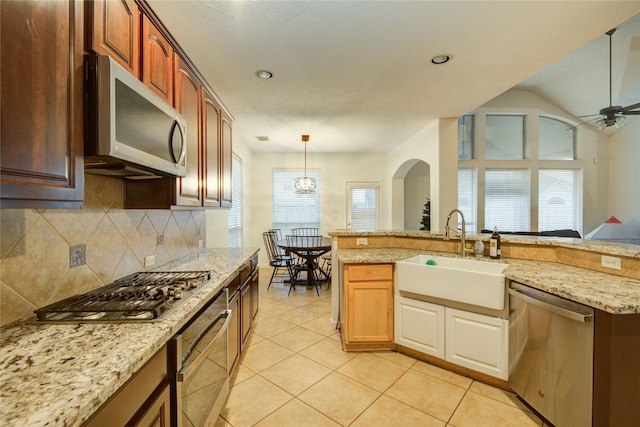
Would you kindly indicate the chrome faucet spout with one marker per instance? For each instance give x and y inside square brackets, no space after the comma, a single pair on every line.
[463,232]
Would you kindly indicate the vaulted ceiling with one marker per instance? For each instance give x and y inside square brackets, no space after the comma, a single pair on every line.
[357,75]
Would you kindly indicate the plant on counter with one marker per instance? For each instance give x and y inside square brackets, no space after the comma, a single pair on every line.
[426,216]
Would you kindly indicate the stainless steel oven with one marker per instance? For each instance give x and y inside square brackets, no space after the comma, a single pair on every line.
[198,366]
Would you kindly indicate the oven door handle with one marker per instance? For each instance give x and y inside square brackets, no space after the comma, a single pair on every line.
[185,371]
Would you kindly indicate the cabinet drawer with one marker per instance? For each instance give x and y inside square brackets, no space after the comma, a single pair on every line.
[368,272]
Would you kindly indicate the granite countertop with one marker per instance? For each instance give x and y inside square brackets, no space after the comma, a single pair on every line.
[610,248]
[607,292]
[60,374]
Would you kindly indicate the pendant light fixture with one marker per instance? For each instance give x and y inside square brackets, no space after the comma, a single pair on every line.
[305,184]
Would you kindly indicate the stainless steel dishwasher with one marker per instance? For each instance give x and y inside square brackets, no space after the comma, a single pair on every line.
[551,355]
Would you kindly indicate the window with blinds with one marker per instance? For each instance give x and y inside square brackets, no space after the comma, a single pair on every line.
[235,213]
[559,199]
[292,210]
[364,209]
[506,203]
[467,198]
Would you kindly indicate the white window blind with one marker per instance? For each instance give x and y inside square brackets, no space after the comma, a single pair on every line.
[235,213]
[558,199]
[467,198]
[364,209]
[507,199]
[292,210]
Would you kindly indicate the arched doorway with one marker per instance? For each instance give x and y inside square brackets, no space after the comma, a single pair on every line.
[410,188]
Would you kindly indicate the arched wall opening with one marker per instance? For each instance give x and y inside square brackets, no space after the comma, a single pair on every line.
[410,188]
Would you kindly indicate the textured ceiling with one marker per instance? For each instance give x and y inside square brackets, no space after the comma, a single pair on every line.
[357,76]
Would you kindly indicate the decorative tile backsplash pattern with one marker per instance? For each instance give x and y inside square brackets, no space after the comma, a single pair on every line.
[35,246]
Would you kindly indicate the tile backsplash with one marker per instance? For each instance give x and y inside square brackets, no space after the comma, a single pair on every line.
[35,246]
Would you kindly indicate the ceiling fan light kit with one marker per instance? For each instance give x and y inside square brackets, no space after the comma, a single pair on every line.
[305,184]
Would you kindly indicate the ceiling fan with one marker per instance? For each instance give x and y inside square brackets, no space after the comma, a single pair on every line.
[613,115]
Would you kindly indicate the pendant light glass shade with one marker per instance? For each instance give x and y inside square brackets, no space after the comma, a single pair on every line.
[305,184]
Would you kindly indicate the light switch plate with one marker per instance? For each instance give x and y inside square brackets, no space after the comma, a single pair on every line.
[611,262]
[149,261]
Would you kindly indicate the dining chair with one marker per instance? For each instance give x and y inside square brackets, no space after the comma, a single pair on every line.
[305,231]
[303,264]
[277,258]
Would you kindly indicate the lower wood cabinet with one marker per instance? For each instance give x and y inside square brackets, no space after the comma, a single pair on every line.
[477,342]
[368,306]
[141,401]
[157,412]
[467,339]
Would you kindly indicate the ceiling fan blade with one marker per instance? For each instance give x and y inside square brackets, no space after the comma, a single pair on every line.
[627,110]
[587,115]
[631,113]
[589,121]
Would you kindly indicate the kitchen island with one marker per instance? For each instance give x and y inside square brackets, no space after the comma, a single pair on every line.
[60,374]
[569,268]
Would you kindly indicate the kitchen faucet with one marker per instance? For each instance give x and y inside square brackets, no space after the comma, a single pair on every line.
[463,237]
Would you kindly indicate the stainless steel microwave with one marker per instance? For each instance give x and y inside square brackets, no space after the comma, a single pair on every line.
[130,131]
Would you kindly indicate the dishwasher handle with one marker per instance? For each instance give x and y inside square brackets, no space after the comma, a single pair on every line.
[564,312]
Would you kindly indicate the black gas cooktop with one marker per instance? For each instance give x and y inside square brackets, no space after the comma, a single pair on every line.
[144,296]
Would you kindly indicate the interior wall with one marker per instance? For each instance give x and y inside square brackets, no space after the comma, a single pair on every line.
[416,190]
[336,169]
[35,245]
[624,184]
[435,145]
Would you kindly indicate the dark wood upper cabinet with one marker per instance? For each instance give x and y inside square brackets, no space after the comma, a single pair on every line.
[157,60]
[187,102]
[116,31]
[226,161]
[41,124]
[211,121]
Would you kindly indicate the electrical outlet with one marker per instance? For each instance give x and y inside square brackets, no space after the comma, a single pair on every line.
[160,239]
[362,241]
[200,243]
[77,255]
[149,260]
[611,262]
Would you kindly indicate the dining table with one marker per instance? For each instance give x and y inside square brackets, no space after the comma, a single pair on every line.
[310,248]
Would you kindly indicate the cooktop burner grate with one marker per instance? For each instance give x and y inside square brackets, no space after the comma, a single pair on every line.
[139,296]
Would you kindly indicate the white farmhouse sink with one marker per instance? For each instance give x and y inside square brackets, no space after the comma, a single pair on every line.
[457,279]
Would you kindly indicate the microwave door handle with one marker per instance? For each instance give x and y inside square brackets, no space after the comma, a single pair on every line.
[185,371]
[183,147]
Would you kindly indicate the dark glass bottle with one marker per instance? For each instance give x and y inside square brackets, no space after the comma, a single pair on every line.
[494,244]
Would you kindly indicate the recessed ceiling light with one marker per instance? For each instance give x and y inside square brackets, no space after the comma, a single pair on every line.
[262,138]
[441,59]
[264,74]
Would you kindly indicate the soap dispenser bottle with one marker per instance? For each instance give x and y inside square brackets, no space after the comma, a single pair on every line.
[494,244]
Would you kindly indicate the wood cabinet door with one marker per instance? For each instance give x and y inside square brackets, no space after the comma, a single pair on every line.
[419,325]
[187,102]
[157,61]
[477,342]
[211,147]
[369,311]
[245,313]
[116,32]
[226,161]
[41,136]
[157,414]
[255,293]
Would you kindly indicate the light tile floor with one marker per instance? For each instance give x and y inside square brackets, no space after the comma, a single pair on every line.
[294,373]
